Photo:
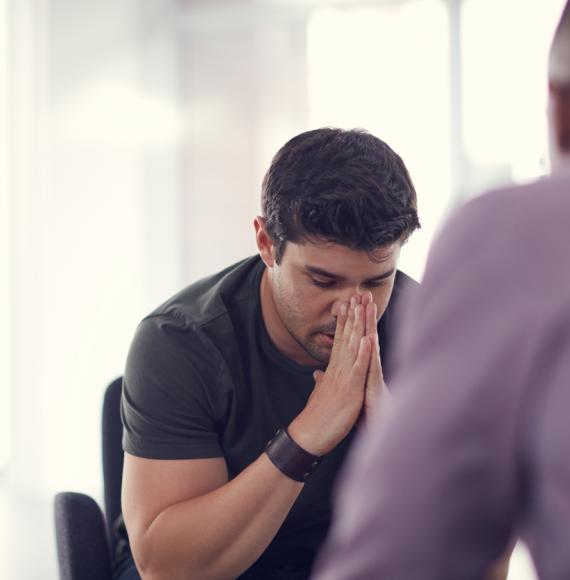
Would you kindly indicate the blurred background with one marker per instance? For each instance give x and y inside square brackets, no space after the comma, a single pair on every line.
[134,138]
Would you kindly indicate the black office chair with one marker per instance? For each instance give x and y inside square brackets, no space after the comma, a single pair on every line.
[84,536]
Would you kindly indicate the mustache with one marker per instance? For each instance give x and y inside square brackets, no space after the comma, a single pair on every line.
[327,329]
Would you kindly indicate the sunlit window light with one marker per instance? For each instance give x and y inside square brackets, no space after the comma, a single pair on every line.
[385,68]
[504,62]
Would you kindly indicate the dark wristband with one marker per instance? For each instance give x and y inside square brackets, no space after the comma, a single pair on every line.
[290,458]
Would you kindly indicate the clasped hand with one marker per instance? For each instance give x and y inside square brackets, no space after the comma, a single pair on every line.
[351,384]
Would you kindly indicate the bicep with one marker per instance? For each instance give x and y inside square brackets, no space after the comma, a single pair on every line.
[150,486]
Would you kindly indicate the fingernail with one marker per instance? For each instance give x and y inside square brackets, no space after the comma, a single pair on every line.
[343,308]
[358,310]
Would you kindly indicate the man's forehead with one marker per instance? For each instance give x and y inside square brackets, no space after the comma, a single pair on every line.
[343,260]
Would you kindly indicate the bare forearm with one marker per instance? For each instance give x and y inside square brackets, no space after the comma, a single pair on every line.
[222,533]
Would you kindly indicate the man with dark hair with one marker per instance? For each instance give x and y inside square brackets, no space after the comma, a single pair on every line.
[475,451]
[300,200]
[282,348]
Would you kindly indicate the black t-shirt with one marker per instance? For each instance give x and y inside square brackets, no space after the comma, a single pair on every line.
[203,379]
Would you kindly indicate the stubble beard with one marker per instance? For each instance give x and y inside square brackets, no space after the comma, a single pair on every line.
[321,354]
[292,320]
[308,342]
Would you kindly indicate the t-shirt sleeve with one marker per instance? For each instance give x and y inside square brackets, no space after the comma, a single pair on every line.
[169,403]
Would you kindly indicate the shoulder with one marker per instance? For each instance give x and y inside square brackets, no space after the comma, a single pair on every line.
[496,270]
[212,297]
[196,329]
[533,213]
[512,240]
[404,288]
[404,283]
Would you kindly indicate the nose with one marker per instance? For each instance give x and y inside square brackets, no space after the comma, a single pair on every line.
[345,296]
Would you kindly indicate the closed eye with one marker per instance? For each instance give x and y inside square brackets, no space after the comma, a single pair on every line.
[331,283]
[322,283]
[375,284]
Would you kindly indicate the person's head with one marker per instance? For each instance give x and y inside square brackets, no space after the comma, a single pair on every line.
[559,92]
[337,206]
[346,187]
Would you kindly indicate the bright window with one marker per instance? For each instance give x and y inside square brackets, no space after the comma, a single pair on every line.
[385,68]
[505,50]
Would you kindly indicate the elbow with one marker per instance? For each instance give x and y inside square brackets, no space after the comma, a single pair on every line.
[154,569]
[150,560]
[162,553]
[147,567]
[154,562]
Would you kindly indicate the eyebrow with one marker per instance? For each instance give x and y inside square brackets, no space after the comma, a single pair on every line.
[325,274]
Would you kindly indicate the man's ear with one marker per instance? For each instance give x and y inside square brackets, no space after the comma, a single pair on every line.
[264,242]
[560,111]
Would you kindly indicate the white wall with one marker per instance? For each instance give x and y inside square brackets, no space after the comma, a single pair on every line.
[5,250]
[96,241]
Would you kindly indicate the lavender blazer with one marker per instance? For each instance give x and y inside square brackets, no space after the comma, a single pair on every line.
[476,446]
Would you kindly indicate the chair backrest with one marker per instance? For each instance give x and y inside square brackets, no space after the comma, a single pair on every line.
[112,455]
[82,547]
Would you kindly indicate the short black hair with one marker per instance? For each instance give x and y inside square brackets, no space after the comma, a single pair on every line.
[341,186]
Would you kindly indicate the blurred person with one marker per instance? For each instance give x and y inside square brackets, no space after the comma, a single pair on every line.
[475,449]
[284,348]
